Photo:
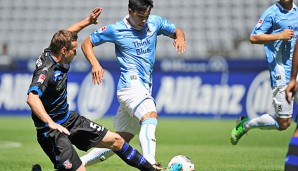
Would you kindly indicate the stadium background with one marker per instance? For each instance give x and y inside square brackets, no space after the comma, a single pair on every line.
[218,77]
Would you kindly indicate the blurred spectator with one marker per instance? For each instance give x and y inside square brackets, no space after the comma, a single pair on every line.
[212,25]
[6,61]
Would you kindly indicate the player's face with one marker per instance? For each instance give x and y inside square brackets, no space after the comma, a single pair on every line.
[286,2]
[69,55]
[139,18]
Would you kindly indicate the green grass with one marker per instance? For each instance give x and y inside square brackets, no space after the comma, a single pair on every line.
[206,142]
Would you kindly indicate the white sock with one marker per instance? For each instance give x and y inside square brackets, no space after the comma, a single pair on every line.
[96,155]
[147,139]
[265,121]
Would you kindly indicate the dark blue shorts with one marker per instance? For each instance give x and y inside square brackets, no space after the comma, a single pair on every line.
[84,134]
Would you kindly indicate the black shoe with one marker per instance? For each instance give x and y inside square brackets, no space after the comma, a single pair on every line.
[36,167]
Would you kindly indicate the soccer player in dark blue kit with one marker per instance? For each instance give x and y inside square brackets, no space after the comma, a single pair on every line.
[57,127]
[291,161]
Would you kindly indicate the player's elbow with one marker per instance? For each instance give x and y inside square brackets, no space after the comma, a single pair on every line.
[253,40]
[83,46]
[29,100]
[86,44]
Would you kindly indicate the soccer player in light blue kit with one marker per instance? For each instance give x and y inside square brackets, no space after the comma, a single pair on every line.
[277,30]
[135,39]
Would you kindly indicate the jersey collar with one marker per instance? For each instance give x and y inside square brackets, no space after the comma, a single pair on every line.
[282,8]
[64,67]
[128,25]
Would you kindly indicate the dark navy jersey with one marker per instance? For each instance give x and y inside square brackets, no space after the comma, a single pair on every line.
[50,83]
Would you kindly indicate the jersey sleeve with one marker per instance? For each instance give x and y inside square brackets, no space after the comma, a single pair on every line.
[264,24]
[102,35]
[40,81]
[165,27]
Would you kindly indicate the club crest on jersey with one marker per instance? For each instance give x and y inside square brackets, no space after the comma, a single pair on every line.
[260,23]
[102,29]
[41,78]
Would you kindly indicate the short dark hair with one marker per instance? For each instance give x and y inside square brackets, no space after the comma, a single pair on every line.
[62,38]
[140,5]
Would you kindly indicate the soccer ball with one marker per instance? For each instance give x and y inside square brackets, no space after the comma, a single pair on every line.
[187,164]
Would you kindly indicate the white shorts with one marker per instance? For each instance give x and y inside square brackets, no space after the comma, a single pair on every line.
[282,108]
[134,104]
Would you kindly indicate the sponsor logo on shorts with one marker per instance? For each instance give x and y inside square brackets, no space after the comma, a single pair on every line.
[279,108]
[67,164]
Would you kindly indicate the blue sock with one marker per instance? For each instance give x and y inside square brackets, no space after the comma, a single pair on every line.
[133,158]
[291,162]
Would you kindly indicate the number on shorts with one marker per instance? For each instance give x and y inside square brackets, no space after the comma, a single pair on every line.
[95,126]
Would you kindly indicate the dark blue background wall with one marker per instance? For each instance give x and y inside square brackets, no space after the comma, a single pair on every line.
[215,88]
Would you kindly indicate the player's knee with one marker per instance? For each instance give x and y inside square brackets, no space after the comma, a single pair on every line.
[118,143]
[149,115]
[126,136]
[284,125]
[296,131]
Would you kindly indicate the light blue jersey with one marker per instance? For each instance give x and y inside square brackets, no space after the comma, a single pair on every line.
[135,49]
[280,52]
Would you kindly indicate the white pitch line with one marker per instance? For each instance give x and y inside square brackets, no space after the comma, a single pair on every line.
[9,144]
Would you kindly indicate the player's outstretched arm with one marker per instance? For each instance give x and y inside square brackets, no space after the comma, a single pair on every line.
[287,34]
[97,70]
[91,19]
[179,42]
[38,109]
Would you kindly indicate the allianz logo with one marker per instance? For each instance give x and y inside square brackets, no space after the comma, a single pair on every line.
[189,95]
[259,96]
[176,95]
[95,100]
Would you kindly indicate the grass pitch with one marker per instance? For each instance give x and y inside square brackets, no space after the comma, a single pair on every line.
[206,142]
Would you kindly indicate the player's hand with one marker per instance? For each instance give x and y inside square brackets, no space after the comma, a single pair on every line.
[94,15]
[180,45]
[287,34]
[97,74]
[58,127]
[291,90]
